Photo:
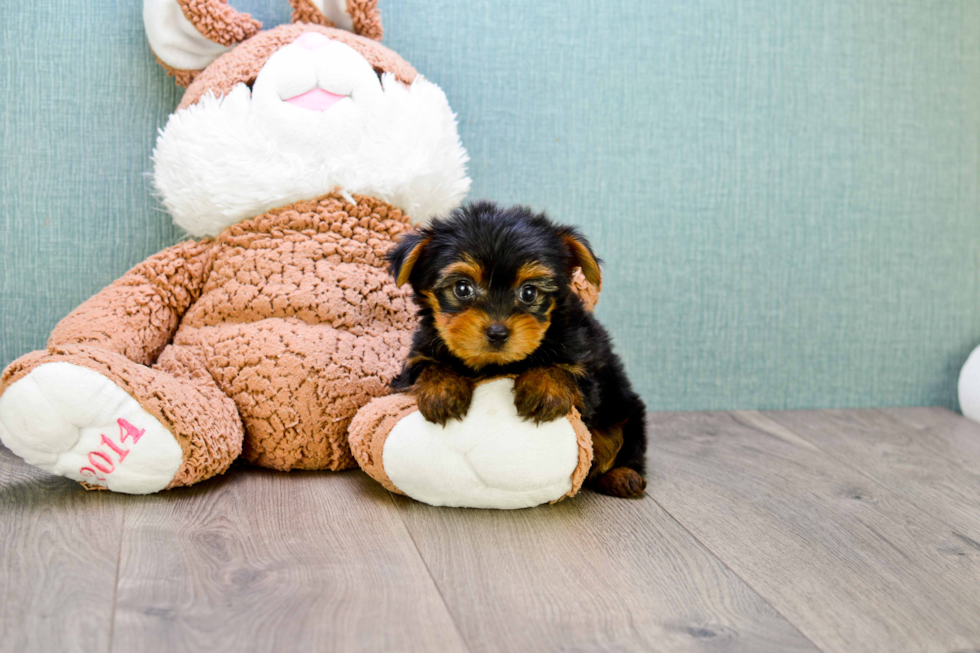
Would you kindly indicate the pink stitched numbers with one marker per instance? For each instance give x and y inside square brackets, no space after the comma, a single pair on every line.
[101,461]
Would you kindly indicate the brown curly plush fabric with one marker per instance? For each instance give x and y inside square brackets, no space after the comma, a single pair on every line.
[304,11]
[242,64]
[265,340]
[369,430]
[218,22]
[366,18]
[585,452]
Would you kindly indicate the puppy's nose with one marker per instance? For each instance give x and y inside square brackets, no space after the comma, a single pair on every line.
[497,333]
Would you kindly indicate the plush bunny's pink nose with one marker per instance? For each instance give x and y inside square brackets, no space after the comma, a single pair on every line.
[312,41]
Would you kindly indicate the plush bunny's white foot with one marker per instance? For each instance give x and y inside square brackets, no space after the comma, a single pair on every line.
[490,459]
[74,422]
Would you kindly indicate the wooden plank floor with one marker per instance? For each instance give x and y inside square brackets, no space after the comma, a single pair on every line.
[855,530]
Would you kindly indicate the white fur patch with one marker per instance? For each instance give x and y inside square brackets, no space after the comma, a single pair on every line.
[226,159]
[74,422]
[490,459]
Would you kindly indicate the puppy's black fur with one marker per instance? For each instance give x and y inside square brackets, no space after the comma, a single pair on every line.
[493,287]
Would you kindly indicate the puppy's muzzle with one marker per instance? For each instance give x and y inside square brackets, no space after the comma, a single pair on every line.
[497,334]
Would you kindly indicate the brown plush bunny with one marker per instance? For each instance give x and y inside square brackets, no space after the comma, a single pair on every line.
[295,157]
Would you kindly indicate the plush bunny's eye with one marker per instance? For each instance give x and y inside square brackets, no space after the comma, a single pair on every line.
[463,289]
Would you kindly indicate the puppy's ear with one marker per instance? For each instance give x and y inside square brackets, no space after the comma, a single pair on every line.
[405,254]
[582,256]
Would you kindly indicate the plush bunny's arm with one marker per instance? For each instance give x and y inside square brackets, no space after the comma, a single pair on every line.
[136,315]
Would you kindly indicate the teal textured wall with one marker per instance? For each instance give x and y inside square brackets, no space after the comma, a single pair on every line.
[786,193]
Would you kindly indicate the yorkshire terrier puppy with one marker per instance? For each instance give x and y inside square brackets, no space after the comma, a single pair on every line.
[493,287]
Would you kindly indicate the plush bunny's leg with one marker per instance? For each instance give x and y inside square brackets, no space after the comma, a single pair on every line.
[490,459]
[101,419]
[72,421]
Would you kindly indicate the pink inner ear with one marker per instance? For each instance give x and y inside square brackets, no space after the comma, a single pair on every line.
[315,100]
[312,41]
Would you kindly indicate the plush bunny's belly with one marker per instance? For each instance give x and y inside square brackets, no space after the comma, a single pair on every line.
[300,324]
[297,385]
[490,459]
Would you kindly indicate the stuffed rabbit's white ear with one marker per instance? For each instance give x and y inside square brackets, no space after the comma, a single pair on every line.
[187,35]
[359,16]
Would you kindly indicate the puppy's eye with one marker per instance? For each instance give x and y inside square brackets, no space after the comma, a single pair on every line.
[463,289]
[529,294]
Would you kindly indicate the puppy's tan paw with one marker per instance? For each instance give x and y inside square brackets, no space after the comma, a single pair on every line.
[544,394]
[620,482]
[443,395]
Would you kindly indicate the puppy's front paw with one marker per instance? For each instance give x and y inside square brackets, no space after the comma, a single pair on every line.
[443,395]
[621,482]
[544,394]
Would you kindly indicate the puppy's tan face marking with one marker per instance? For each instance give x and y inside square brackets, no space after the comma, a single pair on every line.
[466,308]
[533,271]
[527,332]
[466,267]
[465,335]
